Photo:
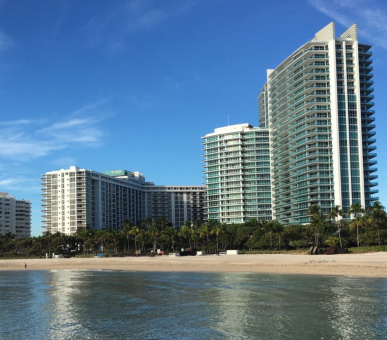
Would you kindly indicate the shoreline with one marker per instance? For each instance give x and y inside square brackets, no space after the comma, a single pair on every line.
[358,265]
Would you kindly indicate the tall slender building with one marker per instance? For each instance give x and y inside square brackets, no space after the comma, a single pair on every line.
[317,105]
[237,174]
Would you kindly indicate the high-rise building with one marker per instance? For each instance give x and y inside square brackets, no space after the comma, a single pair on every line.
[317,105]
[78,198]
[237,174]
[177,204]
[15,216]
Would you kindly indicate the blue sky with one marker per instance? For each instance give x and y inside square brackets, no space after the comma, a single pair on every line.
[134,84]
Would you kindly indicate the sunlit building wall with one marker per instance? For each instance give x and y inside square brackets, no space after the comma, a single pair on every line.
[78,198]
[237,174]
[317,105]
[15,216]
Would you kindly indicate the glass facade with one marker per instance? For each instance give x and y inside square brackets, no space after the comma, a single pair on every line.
[317,105]
[237,174]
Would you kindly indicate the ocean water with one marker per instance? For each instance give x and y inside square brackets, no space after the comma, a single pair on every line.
[137,305]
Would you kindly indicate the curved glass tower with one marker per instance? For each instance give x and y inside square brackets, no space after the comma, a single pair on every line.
[317,105]
[237,174]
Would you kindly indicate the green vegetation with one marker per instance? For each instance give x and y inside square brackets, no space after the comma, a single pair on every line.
[373,249]
[362,230]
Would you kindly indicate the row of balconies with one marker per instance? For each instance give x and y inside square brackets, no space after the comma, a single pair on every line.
[289,99]
[285,185]
[291,207]
[326,150]
[295,91]
[289,117]
[323,85]
[275,76]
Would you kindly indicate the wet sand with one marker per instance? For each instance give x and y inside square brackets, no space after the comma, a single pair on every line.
[362,265]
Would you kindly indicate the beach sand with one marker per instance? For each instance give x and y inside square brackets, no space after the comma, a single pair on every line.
[362,265]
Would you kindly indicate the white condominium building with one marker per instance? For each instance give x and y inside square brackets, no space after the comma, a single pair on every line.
[79,198]
[317,105]
[237,174]
[15,216]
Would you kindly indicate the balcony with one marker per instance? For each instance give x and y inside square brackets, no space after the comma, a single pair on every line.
[370,169]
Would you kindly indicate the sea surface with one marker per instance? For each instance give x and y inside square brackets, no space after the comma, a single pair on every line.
[140,305]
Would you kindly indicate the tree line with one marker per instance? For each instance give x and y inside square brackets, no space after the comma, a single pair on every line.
[359,227]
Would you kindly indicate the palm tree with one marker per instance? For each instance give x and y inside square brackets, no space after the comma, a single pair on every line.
[204,233]
[356,209]
[170,233]
[146,223]
[273,227]
[141,237]
[366,222]
[127,227]
[162,222]
[113,236]
[314,211]
[217,230]
[90,241]
[47,236]
[332,241]
[195,233]
[101,237]
[82,234]
[153,233]
[379,216]
[334,213]
[134,231]
[185,232]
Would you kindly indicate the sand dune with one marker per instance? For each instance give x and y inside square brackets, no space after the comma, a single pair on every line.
[362,265]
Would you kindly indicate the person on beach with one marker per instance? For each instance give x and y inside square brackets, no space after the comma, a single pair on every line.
[25,265]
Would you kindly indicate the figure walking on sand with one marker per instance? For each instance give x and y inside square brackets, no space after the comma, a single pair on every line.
[25,265]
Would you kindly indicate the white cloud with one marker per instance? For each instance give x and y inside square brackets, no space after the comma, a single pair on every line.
[70,123]
[91,107]
[25,140]
[112,29]
[26,150]
[16,122]
[370,15]
[64,162]
[5,42]
[20,184]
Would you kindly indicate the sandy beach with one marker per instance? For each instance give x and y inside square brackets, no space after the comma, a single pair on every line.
[362,265]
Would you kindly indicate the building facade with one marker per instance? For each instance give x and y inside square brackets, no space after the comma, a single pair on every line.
[237,174]
[78,198]
[176,203]
[317,105]
[15,216]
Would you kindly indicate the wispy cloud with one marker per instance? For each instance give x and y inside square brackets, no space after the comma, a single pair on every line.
[25,140]
[111,29]
[371,16]
[64,162]
[19,183]
[5,42]
[16,122]
[95,107]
